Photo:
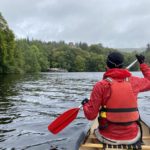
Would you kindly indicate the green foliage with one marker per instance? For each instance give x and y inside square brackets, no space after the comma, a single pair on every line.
[83,46]
[26,56]
[95,62]
[148,48]
[147,53]
[79,64]
[96,49]
[30,57]
[7,43]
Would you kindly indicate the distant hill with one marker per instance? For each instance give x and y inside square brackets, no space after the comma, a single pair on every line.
[131,49]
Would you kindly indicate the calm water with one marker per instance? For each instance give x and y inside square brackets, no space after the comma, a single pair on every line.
[29,103]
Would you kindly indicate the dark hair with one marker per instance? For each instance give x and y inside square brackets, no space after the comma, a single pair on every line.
[115,60]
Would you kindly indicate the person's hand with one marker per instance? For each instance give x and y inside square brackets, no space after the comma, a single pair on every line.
[140,58]
[84,101]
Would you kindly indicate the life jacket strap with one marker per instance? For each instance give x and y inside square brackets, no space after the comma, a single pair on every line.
[120,110]
[102,115]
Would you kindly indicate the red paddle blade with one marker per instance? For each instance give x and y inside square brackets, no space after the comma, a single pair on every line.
[63,120]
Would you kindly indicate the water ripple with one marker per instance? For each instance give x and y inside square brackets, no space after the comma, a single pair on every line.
[29,103]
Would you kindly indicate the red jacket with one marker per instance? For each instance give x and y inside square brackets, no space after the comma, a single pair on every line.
[101,92]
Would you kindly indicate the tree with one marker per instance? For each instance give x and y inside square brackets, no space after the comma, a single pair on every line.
[79,63]
[7,43]
[19,58]
[95,63]
[32,59]
[96,49]
[148,48]
[83,46]
[25,55]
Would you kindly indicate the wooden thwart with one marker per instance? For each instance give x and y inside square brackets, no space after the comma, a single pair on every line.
[146,138]
[91,145]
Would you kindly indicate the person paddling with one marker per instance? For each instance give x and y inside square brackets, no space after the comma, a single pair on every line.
[114,100]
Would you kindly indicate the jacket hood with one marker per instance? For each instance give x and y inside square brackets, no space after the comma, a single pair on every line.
[117,73]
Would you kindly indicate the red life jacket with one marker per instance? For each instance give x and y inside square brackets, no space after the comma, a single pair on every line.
[121,107]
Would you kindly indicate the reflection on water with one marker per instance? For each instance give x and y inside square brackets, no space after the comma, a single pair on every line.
[29,103]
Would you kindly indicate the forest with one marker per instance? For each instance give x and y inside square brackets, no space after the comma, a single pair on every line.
[33,56]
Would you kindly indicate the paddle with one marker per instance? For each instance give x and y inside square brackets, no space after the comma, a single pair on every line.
[63,120]
[131,64]
[68,116]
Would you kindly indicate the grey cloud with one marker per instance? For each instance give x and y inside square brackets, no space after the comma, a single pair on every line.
[114,23]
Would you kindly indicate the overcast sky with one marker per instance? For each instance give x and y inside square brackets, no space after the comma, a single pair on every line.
[114,23]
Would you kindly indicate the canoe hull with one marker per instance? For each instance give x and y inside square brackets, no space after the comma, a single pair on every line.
[90,142]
